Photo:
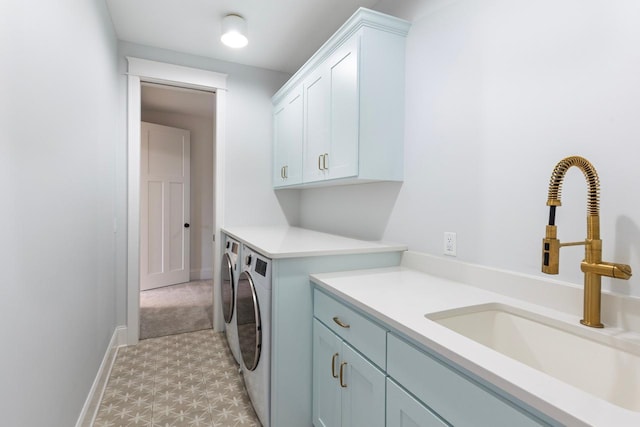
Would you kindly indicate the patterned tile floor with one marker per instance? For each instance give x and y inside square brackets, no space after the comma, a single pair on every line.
[180,380]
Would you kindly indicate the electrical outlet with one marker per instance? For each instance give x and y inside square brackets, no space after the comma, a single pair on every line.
[450,243]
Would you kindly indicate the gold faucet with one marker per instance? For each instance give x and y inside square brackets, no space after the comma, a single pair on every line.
[592,266]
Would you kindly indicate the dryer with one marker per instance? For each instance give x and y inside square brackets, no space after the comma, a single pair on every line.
[231,267]
[254,329]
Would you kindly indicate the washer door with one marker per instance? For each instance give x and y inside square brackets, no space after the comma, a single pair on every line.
[228,296]
[249,324]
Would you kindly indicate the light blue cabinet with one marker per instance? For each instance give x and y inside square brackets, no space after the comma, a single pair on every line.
[363,395]
[287,140]
[331,120]
[327,401]
[353,105]
[410,386]
[403,410]
[349,389]
[292,329]
[456,398]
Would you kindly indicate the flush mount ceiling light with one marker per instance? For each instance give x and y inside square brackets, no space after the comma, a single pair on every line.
[234,31]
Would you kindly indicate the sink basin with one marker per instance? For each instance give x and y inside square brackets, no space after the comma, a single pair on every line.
[594,362]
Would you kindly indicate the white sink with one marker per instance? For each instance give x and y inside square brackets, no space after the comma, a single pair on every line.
[592,361]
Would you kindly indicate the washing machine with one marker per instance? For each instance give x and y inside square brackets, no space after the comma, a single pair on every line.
[254,329]
[231,268]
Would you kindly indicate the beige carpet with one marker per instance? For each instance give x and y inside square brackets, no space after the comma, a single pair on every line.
[176,309]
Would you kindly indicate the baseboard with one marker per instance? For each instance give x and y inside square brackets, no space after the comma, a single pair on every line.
[90,408]
[201,274]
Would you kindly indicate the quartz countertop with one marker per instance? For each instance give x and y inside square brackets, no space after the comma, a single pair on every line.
[402,296]
[292,242]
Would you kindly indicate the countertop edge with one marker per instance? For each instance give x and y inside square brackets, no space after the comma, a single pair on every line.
[362,246]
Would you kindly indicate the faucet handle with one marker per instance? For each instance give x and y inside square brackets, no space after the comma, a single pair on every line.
[622,271]
[608,269]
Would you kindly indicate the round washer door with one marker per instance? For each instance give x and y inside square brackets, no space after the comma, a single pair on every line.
[248,319]
[227,288]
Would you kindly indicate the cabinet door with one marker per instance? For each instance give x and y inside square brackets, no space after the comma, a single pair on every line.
[459,400]
[344,104]
[316,125]
[326,387]
[363,391]
[287,154]
[403,410]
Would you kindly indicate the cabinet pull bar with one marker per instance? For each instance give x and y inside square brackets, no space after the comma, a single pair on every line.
[333,365]
[324,161]
[286,172]
[282,172]
[320,162]
[342,384]
[341,323]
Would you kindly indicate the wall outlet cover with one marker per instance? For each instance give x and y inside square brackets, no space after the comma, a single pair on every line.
[450,243]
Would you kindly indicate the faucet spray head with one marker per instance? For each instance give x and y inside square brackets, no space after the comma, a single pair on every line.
[551,251]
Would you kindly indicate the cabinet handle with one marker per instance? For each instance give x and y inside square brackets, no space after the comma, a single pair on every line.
[342,365]
[286,172]
[333,365]
[320,162]
[324,161]
[341,323]
[282,172]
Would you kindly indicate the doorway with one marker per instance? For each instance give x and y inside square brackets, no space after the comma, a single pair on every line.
[141,75]
[176,201]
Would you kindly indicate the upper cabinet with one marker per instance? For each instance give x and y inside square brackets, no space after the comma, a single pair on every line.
[340,118]
[287,130]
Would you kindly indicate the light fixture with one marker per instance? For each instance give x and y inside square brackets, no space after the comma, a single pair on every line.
[234,31]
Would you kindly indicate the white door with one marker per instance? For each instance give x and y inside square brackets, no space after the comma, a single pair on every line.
[164,206]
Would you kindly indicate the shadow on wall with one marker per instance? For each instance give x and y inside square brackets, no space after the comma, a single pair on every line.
[360,211]
[627,250]
[289,201]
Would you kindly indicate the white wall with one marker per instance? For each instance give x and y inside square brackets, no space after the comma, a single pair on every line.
[201,198]
[249,197]
[497,93]
[58,120]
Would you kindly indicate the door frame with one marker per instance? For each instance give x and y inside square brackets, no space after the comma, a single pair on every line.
[143,70]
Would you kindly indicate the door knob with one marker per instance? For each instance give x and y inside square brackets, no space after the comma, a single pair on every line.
[186,225]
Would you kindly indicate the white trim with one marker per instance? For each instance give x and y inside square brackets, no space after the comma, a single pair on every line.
[142,70]
[118,339]
[133,210]
[219,158]
[160,72]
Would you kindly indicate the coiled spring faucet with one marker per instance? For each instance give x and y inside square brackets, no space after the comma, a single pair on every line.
[592,266]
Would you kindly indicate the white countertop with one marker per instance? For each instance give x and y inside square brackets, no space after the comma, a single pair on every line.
[400,297]
[291,242]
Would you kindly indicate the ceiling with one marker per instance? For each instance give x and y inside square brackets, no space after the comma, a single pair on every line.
[283,34]
[168,99]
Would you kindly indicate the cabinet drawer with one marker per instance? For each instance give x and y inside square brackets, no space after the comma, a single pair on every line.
[455,397]
[403,410]
[364,335]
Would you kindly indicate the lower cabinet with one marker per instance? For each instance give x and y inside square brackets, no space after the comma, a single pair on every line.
[458,399]
[403,410]
[365,375]
[348,389]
